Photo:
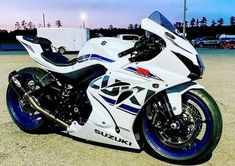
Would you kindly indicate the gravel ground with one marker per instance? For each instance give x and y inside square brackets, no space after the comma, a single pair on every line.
[19,148]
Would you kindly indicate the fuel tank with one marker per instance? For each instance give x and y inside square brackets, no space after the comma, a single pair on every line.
[106,47]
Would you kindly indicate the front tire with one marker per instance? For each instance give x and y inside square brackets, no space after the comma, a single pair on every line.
[204,127]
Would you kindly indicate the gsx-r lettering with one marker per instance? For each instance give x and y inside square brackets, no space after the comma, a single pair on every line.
[138,93]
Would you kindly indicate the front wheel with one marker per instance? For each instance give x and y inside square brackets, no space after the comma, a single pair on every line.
[188,137]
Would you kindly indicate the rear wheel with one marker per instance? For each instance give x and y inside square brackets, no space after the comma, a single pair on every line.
[22,114]
[187,137]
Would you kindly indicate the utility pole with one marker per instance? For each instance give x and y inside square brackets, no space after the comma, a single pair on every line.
[83,24]
[184,19]
[43,18]
[83,17]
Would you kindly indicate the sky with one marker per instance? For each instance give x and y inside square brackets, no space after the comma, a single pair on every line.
[102,13]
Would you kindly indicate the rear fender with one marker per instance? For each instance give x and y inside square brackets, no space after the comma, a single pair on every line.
[175,95]
[38,73]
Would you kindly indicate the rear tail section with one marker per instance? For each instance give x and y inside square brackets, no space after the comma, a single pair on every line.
[34,45]
[40,50]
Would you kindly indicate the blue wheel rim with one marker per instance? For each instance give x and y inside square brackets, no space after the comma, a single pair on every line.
[24,120]
[176,153]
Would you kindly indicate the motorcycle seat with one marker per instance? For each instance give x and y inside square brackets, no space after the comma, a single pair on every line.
[48,55]
[58,59]
[37,40]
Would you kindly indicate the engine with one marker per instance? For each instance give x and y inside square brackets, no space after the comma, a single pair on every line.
[66,103]
[55,98]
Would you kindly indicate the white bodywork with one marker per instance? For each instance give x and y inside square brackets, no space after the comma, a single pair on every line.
[169,73]
[71,39]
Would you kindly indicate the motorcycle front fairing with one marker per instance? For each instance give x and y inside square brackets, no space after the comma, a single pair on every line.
[177,63]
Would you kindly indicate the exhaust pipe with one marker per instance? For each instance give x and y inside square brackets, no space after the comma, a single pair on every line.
[14,80]
[35,104]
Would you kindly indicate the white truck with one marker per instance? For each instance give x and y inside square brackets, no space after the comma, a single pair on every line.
[65,39]
[227,36]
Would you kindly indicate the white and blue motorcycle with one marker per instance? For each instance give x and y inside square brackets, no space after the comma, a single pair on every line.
[137,96]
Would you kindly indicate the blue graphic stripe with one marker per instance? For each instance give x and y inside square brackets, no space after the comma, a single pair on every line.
[95,56]
[123,107]
[83,58]
[110,101]
[129,108]
[132,69]
[126,111]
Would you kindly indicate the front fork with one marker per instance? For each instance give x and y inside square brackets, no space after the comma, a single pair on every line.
[175,93]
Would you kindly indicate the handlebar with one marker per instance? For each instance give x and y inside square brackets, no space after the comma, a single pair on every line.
[126,52]
[138,46]
[142,48]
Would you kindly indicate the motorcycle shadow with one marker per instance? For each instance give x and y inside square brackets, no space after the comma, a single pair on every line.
[195,162]
[191,162]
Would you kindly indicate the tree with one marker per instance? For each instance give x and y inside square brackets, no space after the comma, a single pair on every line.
[24,25]
[220,22]
[58,23]
[213,23]
[232,20]
[186,23]
[203,22]
[31,26]
[110,27]
[178,24]
[131,26]
[136,26]
[197,23]
[17,26]
[48,25]
[3,31]
[192,22]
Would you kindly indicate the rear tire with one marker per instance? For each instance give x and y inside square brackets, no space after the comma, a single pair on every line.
[26,121]
[25,117]
[207,120]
